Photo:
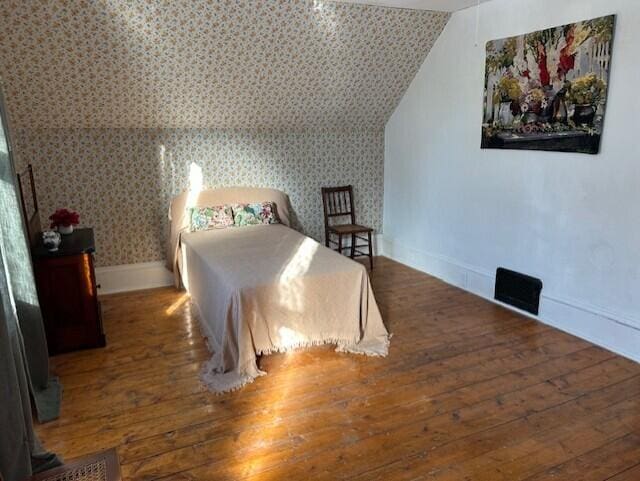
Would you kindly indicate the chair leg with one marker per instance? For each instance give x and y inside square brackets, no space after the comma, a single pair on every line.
[326,238]
[353,245]
[340,243]
[370,250]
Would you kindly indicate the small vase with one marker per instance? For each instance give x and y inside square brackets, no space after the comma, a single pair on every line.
[505,114]
[584,115]
[65,229]
[529,117]
[560,113]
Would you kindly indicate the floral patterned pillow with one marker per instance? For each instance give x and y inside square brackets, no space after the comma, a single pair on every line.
[254,214]
[205,218]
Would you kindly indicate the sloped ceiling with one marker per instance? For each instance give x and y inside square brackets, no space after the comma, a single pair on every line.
[266,64]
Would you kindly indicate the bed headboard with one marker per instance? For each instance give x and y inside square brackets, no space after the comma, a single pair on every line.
[179,222]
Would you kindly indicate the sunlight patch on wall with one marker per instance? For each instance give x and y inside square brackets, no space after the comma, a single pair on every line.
[195,184]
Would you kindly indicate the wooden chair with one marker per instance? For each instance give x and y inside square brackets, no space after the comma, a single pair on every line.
[337,202]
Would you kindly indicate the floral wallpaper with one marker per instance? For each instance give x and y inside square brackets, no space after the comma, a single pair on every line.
[112,101]
[286,64]
[121,180]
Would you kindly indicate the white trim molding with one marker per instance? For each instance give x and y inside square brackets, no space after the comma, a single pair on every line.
[613,331]
[133,277]
[439,5]
[378,244]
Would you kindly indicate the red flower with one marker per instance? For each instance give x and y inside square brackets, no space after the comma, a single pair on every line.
[545,77]
[64,217]
[567,60]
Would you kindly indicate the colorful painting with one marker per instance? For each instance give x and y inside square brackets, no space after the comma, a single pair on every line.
[547,90]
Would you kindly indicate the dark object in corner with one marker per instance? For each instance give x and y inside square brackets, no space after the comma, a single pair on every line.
[518,290]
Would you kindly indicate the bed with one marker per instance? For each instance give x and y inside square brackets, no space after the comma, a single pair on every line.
[268,288]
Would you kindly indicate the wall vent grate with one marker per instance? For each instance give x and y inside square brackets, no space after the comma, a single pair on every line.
[518,290]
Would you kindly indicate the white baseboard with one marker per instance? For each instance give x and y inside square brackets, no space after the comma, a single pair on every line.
[616,332]
[378,240]
[133,277]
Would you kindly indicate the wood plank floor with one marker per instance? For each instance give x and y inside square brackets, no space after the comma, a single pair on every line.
[470,391]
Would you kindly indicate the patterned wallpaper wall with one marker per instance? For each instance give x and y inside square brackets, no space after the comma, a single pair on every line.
[209,63]
[104,98]
[121,180]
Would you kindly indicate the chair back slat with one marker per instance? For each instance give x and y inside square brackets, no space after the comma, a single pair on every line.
[338,202]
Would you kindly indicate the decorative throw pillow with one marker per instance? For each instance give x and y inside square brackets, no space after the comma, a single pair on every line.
[205,218]
[254,214]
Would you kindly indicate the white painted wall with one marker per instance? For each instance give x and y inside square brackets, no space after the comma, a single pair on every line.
[573,220]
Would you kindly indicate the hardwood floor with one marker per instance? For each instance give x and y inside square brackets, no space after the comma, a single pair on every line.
[470,391]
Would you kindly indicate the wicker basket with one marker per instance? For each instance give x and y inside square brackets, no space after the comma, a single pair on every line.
[96,467]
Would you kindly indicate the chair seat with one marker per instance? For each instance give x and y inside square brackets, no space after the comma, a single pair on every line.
[349,229]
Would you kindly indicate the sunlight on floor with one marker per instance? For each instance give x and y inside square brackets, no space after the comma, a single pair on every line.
[177,304]
[291,295]
[262,440]
[185,315]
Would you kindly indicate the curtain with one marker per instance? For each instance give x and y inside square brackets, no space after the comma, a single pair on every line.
[20,451]
[24,363]
[46,391]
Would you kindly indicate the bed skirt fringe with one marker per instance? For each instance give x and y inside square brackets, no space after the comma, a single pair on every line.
[222,382]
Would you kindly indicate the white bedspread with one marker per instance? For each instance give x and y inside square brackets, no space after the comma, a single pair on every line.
[268,288]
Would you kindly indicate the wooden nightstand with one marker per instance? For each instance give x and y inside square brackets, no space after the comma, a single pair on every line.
[67,291]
